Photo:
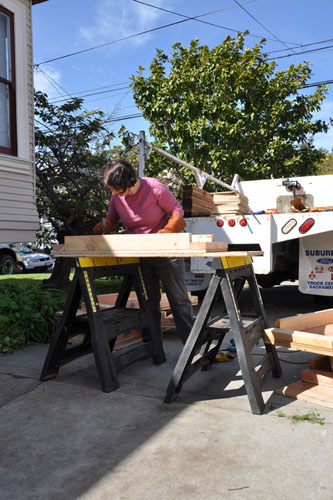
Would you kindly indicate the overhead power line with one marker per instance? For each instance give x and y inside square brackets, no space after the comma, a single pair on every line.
[302,52]
[151,30]
[98,88]
[260,24]
[93,93]
[302,46]
[200,20]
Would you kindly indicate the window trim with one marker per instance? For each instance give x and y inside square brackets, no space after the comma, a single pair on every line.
[11,84]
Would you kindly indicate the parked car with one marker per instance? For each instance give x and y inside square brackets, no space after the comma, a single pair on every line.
[16,257]
[31,260]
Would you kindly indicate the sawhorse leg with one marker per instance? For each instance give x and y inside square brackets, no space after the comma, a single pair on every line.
[231,282]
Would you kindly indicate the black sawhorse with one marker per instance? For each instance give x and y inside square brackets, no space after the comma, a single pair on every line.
[100,328]
[203,342]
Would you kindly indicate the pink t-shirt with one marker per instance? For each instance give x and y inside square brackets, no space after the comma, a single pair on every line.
[147,211]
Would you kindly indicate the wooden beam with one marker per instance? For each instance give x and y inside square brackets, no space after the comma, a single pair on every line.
[305,341]
[306,321]
[114,242]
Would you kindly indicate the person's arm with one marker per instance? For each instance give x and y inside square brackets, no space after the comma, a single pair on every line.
[111,221]
[175,224]
[170,205]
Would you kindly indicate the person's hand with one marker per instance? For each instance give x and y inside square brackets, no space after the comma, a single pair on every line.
[99,228]
[103,227]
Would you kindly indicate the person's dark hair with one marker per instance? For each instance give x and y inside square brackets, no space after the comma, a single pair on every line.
[120,175]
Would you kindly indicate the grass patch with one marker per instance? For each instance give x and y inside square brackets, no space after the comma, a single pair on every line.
[28,311]
[313,417]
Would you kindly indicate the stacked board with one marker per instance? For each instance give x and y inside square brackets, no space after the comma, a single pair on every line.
[311,332]
[197,202]
[146,245]
[228,202]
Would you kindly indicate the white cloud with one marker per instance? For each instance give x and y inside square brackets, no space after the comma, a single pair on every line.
[117,19]
[46,80]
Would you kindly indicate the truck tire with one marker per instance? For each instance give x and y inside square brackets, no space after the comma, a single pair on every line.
[7,264]
[271,279]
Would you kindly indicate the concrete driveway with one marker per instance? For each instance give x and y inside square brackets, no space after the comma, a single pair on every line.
[66,439]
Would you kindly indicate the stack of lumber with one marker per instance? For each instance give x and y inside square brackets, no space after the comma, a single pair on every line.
[197,202]
[311,332]
[228,202]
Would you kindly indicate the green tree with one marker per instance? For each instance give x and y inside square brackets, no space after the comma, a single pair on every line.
[326,165]
[227,110]
[72,147]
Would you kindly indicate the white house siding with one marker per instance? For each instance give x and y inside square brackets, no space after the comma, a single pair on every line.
[18,215]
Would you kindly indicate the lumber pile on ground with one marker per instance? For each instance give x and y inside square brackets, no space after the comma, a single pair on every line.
[316,384]
[311,332]
[197,202]
[229,202]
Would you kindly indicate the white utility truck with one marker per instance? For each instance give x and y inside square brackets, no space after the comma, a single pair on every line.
[296,245]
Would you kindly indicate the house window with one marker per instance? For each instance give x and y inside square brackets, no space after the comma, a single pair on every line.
[7,84]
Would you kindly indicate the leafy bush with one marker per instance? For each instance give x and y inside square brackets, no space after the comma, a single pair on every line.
[27,314]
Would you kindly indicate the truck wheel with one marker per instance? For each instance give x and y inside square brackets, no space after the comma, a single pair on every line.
[7,264]
[271,279]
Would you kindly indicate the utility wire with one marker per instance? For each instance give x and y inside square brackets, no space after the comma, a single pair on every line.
[93,93]
[55,84]
[256,20]
[97,88]
[302,46]
[192,18]
[126,38]
[200,20]
[302,52]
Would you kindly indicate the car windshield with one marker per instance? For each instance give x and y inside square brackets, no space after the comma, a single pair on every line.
[19,247]
[25,249]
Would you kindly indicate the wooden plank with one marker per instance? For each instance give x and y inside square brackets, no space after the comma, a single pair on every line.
[114,242]
[306,321]
[61,251]
[320,377]
[214,246]
[309,342]
[202,237]
[320,363]
[311,393]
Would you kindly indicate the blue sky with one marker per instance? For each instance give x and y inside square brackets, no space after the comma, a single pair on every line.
[63,27]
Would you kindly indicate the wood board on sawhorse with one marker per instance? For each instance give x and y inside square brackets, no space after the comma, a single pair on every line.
[100,327]
[203,343]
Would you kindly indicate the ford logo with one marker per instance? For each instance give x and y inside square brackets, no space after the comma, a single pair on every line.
[325,261]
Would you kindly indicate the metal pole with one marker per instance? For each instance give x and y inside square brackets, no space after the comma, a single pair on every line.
[200,176]
[142,142]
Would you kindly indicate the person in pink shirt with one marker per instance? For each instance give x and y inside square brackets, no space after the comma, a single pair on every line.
[145,205]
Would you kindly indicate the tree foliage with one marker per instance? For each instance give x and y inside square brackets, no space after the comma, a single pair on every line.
[326,164]
[70,156]
[227,110]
